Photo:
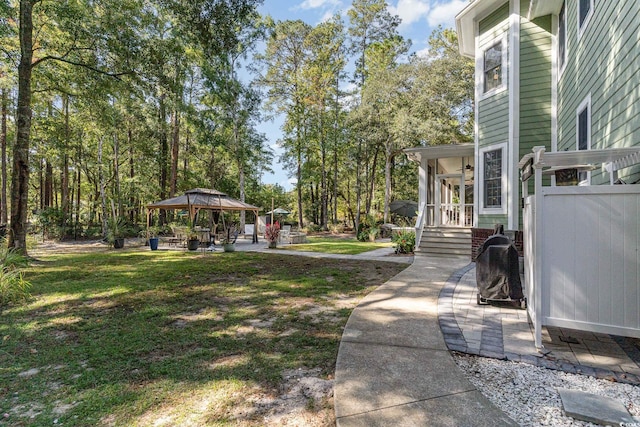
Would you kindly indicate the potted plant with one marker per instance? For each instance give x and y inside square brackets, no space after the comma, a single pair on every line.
[115,232]
[228,243]
[193,243]
[272,234]
[153,238]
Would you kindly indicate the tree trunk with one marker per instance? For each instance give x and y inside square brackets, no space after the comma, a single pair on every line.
[3,147]
[48,185]
[324,197]
[241,184]
[20,172]
[64,181]
[373,181]
[103,196]
[78,186]
[387,181]
[132,175]
[335,153]
[356,219]
[164,151]
[116,171]
[175,145]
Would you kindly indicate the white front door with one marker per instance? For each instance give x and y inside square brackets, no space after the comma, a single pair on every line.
[450,201]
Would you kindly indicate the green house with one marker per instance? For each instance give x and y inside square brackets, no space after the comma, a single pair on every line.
[564,75]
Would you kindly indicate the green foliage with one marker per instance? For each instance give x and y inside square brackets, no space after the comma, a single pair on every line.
[118,228]
[49,221]
[404,241]
[135,101]
[368,229]
[13,286]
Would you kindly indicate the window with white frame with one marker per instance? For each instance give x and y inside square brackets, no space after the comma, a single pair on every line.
[492,67]
[583,134]
[562,36]
[492,161]
[585,10]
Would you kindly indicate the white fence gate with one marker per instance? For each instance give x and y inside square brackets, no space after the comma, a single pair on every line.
[587,256]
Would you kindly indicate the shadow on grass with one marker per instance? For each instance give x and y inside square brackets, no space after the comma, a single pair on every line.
[111,337]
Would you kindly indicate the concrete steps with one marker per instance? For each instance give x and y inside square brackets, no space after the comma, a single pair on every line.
[446,241]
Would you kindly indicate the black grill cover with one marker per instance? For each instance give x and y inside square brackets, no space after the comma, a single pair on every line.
[497,270]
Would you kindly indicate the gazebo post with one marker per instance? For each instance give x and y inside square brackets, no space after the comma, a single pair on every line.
[255,227]
[149,213]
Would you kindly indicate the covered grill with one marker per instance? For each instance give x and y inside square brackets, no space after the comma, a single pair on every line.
[497,272]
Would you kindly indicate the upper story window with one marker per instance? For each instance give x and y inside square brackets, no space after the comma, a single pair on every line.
[562,36]
[493,67]
[583,134]
[585,9]
[492,178]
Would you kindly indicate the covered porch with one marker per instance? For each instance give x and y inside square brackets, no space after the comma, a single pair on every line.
[445,198]
[446,177]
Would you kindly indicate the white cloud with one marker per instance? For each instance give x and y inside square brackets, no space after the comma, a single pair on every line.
[315,4]
[423,53]
[410,11]
[444,13]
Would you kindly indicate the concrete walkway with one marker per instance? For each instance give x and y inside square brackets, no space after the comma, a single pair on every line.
[393,366]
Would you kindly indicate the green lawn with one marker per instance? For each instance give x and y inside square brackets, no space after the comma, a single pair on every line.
[335,245]
[176,338]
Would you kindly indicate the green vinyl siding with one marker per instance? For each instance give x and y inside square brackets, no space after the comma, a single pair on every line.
[605,63]
[497,17]
[535,86]
[492,115]
[493,119]
[488,221]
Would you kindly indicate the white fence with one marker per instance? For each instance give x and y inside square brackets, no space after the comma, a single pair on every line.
[582,255]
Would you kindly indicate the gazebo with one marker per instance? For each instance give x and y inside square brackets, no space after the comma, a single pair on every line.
[203,198]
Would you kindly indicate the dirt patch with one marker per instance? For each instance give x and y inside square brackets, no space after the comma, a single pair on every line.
[304,399]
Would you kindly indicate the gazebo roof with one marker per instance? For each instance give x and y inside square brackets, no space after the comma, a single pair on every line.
[203,198]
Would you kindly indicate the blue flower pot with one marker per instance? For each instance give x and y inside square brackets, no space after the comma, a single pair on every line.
[153,243]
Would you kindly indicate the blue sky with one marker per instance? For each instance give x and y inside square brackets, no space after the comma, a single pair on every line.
[419,18]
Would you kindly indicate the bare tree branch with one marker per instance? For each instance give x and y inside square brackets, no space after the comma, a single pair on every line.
[80,64]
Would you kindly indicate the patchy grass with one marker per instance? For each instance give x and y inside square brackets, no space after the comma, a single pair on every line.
[176,338]
[335,245]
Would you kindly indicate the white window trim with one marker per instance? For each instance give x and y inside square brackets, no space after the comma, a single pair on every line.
[585,24]
[502,210]
[480,66]
[586,103]
[562,67]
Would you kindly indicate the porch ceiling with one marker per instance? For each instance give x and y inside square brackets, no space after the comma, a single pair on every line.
[440,151]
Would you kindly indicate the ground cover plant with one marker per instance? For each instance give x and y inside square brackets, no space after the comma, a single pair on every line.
[335,245]
[176,338]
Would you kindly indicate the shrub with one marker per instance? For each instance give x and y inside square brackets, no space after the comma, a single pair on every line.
[313,228]
[337,228]
[404,241]
[272,232]
[13,286]
[368,229]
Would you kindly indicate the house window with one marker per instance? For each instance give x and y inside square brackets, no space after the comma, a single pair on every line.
[583,134]
[562,36]
[493,67]
[492,178]
[585,7]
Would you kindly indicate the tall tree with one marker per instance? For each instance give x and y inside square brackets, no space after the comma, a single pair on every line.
[383,105]
[75,47]
[284,59]
[326,60]
[370,22]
